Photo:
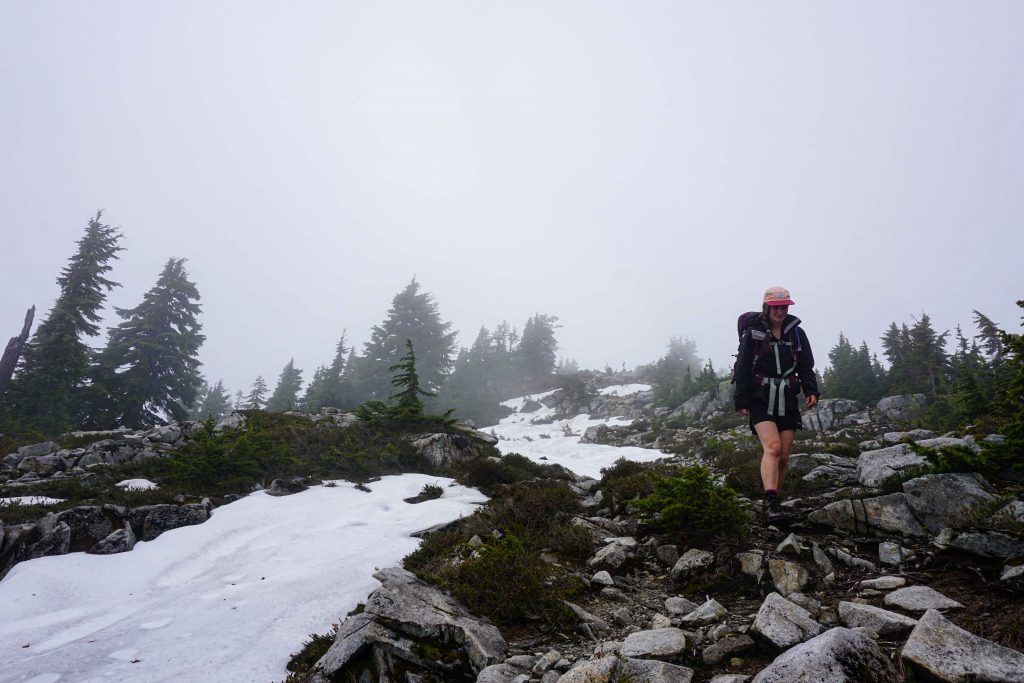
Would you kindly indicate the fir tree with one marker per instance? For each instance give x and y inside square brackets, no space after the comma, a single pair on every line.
[536,351]
[406,381]
[286,394]
[239,402]
[412,316]
[257,397]
[215,403]
[149,369]
[47,391]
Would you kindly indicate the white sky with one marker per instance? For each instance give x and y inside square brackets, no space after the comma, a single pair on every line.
[641,170]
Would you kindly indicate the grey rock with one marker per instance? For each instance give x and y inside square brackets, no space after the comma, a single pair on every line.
[622,617]
[597,624]
[89,525]
[988,544]
[902,407]
[231,421]
[708,613]
[679,607]
[851,561]
[913,435]
[788,577]
[946,652]
[893,553]
[602,578]
[881,621]
[882,515]
[751,564]
[692,562]
[821,560]
[56,541]
[445,451]
[920,599]
[403,611]
[118,541]
[614,555]
[874,467]
[1010,573]
[662,643]
[43,465]
[595,434]
[838,655]
[653,671]
[730,678]
[831,473]
[667,554]
[884,583]
[941,500]
[149,521]
[286,487]
[659,621]
[37,449]
[592,671]
[498,673]
[727,647]
[791,544]
[784,623]
[830,412]
[546,662]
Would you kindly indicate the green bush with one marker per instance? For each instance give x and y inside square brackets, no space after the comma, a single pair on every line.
[694,508]
[846,450]
[431,492]
[510,583]
[626,481]
[992,459]
[489,475]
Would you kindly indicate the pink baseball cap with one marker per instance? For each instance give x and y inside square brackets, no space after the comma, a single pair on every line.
[777,296]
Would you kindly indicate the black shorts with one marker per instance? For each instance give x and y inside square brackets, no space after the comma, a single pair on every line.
[759,413]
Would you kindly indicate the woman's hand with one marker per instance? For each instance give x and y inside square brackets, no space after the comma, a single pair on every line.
[812,401]
[744,412]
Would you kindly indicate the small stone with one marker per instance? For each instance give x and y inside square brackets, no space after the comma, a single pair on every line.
[792,544]
[708,613]
[751,563]
[883,622]
[692,562]
[884,583]
[679,607]
[602,578]
[727,646]
[622,617]
[668,554]
[662,642]
[1011,573]
[920,599]
[788,577]
[660,621]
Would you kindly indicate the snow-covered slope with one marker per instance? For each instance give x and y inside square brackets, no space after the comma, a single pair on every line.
[559,442]
[227,600]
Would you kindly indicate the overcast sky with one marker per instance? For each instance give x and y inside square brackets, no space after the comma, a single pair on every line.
[641,170]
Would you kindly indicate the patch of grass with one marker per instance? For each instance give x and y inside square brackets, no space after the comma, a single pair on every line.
[693,508]
[991,460]
[302,662]
[846,450]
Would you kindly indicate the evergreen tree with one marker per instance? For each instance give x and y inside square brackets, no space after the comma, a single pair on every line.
[536,351]
[412,316]
[317,393]
[215,404]
[239,402]
[47,391]
[286,394]
[406,381]
[896,349]
[929,362]
[201,394]
[851,372]
[149,369]
[257,397]
[673,374]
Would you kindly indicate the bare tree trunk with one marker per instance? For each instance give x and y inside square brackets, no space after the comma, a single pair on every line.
[13,351]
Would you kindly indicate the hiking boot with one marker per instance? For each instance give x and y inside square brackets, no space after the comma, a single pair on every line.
[771,508]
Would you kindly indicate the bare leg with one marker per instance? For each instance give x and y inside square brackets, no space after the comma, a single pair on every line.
[771,442]
[786,437]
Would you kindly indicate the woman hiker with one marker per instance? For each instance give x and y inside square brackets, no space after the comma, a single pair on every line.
[774,365]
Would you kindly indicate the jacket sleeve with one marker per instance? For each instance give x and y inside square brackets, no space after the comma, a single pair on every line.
[741,395]
[805,367]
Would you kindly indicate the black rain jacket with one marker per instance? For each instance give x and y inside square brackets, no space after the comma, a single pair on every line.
[749,385]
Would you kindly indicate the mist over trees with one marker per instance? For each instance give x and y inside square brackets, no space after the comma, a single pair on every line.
[286,393]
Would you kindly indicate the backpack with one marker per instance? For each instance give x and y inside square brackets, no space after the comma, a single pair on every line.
[743,323]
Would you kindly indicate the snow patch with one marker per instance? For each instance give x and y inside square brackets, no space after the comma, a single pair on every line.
[30,500]
[138,485]
[624,389]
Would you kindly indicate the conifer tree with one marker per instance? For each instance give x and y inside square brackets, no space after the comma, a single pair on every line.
[239,402]
[406,381]
[536,351]
[47,391]
[149,369]
[215,403]
[286,393]
[412,316]
[257,397]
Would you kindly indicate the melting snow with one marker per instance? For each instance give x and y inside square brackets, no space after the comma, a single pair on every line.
[30,500]
[137,484]
[624,389]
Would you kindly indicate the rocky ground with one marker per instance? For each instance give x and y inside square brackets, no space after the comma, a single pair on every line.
[876,573]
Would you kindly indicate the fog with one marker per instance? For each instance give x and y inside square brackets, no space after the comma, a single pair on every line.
[640,170]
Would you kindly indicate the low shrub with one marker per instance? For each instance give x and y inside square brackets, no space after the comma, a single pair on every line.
[431,492]
[692,507]
[991,460]
[302,662]
[846,450]
[489,474]
[509,582]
